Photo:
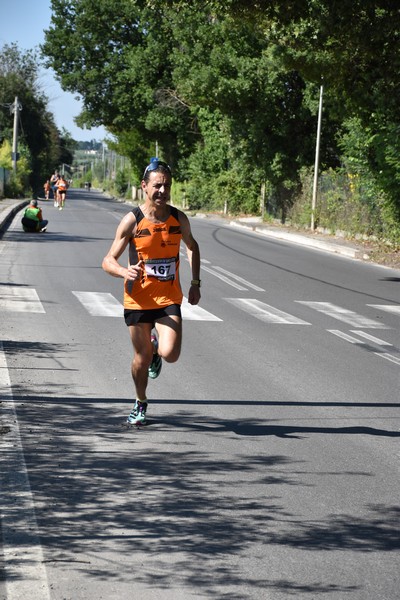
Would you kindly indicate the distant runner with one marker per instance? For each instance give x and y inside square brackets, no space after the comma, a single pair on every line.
[53,182]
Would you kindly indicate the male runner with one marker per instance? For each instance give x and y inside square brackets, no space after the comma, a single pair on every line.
[53,182]
[152,291]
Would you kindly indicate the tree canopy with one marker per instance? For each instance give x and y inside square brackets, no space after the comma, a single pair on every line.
[41,144]
[229,89]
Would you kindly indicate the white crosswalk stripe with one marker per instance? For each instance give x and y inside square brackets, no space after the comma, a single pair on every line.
[103,304]
[265,312]
[20,299]
[344,315]
[390,308]
[196,313]
[100,304]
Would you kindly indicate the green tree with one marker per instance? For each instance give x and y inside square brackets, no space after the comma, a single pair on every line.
[67,146]
[353,47]
[147,70]
[18,181]
[229,89]
[116,56]
[37,131]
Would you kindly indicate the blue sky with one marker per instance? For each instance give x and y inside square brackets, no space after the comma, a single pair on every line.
[23,22]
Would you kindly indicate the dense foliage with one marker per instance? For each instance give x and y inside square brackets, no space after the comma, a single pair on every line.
[40,145]
[228,91]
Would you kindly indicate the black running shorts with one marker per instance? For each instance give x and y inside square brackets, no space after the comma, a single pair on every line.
[132,317]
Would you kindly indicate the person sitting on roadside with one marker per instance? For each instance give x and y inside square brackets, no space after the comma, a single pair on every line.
[33,219]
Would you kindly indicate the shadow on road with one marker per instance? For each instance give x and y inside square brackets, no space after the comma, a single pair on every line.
[127,506]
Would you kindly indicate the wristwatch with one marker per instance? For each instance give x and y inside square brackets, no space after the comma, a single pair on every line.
[196,282]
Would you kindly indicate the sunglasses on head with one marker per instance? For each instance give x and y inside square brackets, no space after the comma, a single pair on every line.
[154,164]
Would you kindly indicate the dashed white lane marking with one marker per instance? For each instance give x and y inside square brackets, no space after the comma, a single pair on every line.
[346,336]
[265,312]
[227,276]
[241,280]
[344,315]
[25,575]
[20,299]
[358,342]
[371,338]
[224,278]
[389,357]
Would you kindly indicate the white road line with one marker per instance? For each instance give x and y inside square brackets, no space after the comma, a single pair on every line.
[265,312]
[183,255]
[346,336]
[100,304]
[371,338]
[196,313]
[25,575]
[353,340]
[20,299]
[103,304]
[344,315]
[223,278]
[390,357]
[227,276]
[244,281]
[390,308]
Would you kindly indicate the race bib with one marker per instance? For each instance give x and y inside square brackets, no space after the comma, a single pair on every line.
[162,268]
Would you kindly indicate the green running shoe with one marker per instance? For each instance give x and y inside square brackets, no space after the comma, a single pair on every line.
[138,414]
[155,367]
[156,363]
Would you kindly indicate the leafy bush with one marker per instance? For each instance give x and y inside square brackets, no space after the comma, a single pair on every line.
[18,184]
[121,182]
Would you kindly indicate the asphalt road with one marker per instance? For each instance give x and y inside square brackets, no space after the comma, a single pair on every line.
[269,468]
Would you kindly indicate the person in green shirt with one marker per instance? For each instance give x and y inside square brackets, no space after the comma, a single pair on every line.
[33,218]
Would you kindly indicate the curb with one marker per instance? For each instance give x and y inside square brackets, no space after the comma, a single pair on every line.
[304,241]
[7,214]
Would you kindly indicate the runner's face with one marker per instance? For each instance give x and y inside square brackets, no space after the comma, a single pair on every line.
[158,188]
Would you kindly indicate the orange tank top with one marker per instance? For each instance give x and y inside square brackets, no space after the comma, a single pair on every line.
[157,244]
[62,186]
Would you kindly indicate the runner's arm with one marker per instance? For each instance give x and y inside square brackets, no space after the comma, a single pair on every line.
[193,254]
[110,262]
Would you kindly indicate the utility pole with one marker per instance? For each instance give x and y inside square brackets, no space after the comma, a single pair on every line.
[262,200]
[15,109]
[316,166]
